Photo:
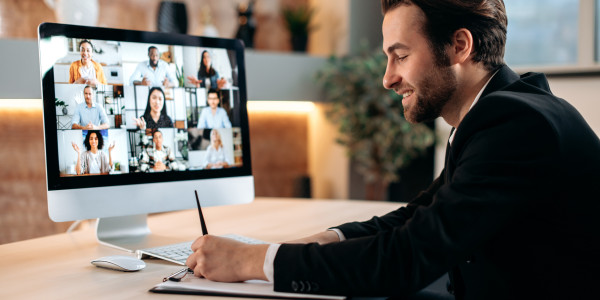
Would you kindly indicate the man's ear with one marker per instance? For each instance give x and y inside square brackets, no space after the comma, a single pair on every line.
[461,47]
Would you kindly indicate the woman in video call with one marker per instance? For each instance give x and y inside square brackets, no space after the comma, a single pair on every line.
[215,155]
[213,116]
[207,74]
[159,156]
[93,161]
[155,115]
[86,70]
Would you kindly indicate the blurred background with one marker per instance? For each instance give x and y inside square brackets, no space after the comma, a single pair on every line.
[295,124]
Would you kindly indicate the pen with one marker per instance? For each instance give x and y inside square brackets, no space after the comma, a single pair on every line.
[202,223]
[177,276]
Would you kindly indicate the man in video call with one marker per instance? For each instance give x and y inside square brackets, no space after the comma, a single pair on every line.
[88,115]
[513,214]
[153,72]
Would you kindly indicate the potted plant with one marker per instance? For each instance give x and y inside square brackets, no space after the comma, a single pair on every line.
[371,119]
[60,103]
[297,20]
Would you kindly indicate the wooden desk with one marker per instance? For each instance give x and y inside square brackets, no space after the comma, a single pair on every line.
[58,266]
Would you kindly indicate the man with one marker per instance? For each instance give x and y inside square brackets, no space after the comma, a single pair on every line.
[513,214]
[88,115]
[153,72]
[213,116]
[158,157]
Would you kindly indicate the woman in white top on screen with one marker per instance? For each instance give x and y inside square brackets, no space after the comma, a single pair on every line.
[215,155]
[208,77]
[93,161]
[213,116]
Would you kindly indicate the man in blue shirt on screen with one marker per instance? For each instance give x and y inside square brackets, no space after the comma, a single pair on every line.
[88,115]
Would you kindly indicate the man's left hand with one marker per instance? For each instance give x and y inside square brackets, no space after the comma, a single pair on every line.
[223,259]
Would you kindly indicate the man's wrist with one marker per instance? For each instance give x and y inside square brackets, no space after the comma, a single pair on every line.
[255,269]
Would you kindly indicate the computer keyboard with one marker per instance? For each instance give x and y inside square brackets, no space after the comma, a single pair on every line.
[178,253]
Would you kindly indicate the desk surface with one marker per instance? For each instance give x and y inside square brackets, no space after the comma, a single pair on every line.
[58,266]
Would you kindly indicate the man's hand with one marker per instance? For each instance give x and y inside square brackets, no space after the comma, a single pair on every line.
[146,81]
[89,126]
[166,83]
[159,166]
[226,260]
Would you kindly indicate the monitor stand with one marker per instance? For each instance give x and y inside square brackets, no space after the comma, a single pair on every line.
[129,233]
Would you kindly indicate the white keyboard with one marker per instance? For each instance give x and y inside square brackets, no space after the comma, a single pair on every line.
[178,253]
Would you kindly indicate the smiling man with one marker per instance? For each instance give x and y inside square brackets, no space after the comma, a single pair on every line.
[512,215]
[153,72]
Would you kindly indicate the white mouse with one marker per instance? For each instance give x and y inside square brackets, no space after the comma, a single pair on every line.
[119,263]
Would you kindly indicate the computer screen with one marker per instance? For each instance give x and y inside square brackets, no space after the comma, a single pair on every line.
[136,121]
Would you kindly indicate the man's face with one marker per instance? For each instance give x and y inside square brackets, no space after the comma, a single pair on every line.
[158,140]
[153,55]
[213,100]
[412,70]
[88,94]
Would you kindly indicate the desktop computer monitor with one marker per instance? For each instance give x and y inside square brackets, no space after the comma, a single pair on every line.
[136,121]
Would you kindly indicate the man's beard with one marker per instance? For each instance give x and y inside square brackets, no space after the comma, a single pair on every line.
[153,64]
[435,91]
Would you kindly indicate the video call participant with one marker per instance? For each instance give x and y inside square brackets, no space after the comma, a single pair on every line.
[86,70]
[93,161]
[89,115]
[208,77]
[155,115]
[215,153]
[159,156]
[154,72]
[213,116]
[514,213]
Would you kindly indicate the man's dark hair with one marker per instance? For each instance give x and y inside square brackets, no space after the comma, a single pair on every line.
[485,19]
[152,47]
[86,142]
[86,41]
[214,91]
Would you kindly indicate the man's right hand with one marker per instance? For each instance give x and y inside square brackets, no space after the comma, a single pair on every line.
[146,82]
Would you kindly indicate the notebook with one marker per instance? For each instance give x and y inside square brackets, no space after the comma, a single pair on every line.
[253,288]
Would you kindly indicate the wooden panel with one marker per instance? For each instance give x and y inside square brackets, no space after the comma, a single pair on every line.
[279,152]
[23,208]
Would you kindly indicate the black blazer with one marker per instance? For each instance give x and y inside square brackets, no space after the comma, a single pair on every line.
[512,216]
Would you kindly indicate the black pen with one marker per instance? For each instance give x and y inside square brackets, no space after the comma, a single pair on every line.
[177,276]
[202,223]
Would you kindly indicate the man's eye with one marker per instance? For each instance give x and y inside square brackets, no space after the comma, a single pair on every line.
[401,58]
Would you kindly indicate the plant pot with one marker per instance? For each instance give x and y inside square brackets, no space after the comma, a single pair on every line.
[65,111]
[118,120]
[172,17]
[299,43]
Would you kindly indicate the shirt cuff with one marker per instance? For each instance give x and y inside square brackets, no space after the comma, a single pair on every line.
[268,268]
[339,233]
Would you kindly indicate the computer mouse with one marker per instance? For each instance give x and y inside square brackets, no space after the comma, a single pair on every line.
[119,263]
